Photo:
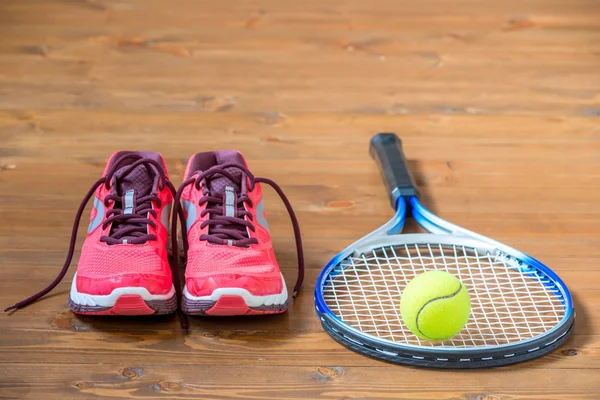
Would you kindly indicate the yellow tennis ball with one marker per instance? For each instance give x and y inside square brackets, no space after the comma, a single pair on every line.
[435,305]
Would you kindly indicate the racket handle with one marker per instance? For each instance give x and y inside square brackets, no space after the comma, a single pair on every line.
[386,150]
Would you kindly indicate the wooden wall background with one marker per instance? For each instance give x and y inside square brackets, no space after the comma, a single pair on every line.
[499,106]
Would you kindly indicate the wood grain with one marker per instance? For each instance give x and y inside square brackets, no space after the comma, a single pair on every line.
[498,104]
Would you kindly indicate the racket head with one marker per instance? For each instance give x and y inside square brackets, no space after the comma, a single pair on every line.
[520,308]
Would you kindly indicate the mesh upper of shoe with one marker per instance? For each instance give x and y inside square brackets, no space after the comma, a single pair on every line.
[117,260]
[225,260]
[207,259]
[212,266]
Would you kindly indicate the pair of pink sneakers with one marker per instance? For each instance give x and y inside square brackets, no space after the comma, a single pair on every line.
[124,266]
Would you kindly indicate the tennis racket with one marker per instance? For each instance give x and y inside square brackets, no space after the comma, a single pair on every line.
[520,309]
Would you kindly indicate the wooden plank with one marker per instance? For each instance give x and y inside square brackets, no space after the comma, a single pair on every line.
[498,106]
[254,128]
[214,382]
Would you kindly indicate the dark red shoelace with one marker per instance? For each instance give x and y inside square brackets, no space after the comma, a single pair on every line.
[225,230]
[132,226]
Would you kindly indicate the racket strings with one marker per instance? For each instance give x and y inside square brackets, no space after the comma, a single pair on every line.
[509,301]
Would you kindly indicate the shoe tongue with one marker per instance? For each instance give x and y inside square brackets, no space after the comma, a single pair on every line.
[223,187]
[219,183]
[141,180]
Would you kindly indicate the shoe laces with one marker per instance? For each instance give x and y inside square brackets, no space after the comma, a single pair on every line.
[130,227]
[232,230]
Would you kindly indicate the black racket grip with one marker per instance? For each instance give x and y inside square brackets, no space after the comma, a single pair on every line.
[386,150]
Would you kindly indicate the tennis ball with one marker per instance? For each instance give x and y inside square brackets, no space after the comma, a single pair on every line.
[435,305]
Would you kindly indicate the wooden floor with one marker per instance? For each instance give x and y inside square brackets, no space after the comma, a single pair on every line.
[498,103]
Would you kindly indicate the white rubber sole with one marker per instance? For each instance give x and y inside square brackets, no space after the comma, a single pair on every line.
[251,300]
[109,300]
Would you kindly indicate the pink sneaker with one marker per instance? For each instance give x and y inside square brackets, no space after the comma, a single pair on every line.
[231,266]
[123,268]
